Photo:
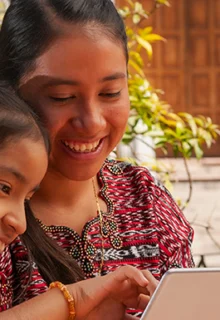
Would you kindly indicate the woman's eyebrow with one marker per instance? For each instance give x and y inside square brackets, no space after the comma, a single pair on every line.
[114,76]
[60,81]
[50,81]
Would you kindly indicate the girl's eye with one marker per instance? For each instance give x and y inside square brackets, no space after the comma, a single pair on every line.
[4,188]
[110,95]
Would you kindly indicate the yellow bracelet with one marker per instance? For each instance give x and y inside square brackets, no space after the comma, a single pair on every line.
[69,298]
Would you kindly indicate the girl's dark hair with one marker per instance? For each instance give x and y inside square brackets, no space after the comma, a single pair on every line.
[18,121]
[30,27]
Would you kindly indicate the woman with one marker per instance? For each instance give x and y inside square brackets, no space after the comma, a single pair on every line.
[24,148]
[68,60]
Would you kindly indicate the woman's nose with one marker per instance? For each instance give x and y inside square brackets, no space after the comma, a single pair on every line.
[89,120]
[15,220]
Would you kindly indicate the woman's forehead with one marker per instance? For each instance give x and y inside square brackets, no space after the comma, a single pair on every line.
[75,58]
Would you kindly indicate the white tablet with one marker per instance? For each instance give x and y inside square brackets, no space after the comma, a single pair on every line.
[186,294]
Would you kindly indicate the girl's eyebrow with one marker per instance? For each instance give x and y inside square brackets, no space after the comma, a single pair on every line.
[19,176]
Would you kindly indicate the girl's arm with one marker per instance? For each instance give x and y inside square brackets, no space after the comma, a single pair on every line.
[99,298]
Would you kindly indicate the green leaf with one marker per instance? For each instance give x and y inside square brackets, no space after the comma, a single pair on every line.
[179,128]
[138,7]
[187,148]
[136,18]
[136,57]
[190,120]
[130,2]
[146,45]
[198,151]
[153,37]
[145,31]
[127,140]
[165,2]
[136,67]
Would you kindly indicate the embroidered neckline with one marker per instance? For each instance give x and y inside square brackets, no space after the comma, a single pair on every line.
[84,250]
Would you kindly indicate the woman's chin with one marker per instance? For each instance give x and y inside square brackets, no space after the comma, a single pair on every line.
[76,172]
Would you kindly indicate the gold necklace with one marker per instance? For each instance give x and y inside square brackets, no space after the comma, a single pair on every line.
[101,225]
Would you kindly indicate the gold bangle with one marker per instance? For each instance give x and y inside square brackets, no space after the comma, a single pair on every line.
[69,298]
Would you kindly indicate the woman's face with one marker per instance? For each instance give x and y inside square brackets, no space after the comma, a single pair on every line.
[79,87]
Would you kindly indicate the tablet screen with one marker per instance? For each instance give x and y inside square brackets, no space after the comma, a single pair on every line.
[186,294]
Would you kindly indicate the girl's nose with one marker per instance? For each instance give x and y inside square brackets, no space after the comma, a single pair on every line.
[15,220]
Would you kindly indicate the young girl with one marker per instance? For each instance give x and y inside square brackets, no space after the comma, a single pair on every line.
[23,162]
[68,60]
[24,150]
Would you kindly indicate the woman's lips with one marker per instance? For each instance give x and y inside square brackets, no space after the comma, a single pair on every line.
[83,151]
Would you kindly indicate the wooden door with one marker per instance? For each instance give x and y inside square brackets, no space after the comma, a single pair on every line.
[202,21]
[187,66]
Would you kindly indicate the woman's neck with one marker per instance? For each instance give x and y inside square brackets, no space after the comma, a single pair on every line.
[61,201]
[59,190]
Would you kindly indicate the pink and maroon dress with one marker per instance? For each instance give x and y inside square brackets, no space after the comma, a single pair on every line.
[142,227]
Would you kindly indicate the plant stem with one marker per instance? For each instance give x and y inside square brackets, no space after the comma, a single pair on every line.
[190,184]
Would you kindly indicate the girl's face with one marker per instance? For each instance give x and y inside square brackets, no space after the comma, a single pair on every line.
[79,86]
[23,165]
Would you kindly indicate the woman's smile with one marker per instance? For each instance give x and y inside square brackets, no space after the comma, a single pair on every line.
[83,151]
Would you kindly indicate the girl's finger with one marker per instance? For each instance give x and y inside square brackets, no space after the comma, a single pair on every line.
[153,282]
[143,301]
[133,274]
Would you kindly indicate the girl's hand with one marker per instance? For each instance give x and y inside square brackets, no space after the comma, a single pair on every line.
[108,297]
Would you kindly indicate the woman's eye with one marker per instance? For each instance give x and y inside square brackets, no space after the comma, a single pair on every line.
[110,94]
[4,188]
[61,99]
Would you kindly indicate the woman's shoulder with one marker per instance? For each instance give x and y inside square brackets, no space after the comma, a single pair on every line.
[139,181]
[126,170]
[139,177]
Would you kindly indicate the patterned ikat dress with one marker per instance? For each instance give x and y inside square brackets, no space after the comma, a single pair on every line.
[142,227]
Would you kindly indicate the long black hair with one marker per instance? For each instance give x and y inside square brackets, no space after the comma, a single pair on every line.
[28,29]
[31,27]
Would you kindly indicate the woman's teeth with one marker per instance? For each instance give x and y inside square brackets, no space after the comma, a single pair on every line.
[83,147]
